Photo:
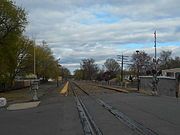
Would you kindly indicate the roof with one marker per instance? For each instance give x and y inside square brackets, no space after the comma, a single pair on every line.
[172,70]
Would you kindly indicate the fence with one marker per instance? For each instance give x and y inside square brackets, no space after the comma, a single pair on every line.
[166,85]
[18,84]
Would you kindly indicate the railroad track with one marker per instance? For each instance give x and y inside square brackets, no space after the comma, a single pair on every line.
[88,124]
[134,126]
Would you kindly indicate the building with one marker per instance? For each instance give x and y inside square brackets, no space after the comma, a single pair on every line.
[171,72]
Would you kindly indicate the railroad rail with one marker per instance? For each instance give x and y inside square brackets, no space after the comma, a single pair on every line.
[135,126]
[88,124]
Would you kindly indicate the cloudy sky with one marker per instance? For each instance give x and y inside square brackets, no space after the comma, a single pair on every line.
[101,29]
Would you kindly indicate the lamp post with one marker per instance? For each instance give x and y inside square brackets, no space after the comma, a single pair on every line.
[34,85]
[138,81]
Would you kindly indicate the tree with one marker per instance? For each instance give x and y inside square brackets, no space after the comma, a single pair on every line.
[13,45]
[65,73]
[165,58]
[166,61]
[174,63]
[12,59]
[142,61]
[78,74]
[112,66]
[12,21]
[90,68]
[100,74]
[46,65]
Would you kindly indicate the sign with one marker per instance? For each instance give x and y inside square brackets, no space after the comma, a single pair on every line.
[60,78]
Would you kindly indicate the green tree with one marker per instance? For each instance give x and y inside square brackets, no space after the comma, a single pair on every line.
[12,58]
[13,45]
[12,21]
[78,74]
[45,62]
[65,73]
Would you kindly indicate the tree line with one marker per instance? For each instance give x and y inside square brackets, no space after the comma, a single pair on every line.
[89,70]
[17,50]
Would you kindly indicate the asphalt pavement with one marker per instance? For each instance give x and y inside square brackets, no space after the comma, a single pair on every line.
[58,115]
[160,114]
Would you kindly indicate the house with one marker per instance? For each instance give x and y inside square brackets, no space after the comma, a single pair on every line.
[171,72]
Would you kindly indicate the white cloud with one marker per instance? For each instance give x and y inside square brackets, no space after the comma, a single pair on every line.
[76,29]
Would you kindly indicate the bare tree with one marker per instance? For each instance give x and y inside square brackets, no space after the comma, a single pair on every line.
[90,68]
[142,61]
[175,63]
[112,65]
[165,58]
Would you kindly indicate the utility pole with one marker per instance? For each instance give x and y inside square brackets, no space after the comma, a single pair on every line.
[138,80]
[123,60]
[35,83]
[34,55]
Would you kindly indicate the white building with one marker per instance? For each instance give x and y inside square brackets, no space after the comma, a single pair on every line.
[171,72]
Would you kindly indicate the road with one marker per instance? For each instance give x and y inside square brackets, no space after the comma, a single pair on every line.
[58,115]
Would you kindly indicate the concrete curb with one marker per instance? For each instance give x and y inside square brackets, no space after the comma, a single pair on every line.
[22,106]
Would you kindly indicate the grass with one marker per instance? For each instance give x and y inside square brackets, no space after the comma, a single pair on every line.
[17,95]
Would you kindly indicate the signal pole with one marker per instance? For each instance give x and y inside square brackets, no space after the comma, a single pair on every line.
[34,60]
[155,80]
[155,55]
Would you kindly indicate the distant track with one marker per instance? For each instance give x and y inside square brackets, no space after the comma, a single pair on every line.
[138,128]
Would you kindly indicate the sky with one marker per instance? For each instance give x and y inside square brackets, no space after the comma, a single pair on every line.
[101,29]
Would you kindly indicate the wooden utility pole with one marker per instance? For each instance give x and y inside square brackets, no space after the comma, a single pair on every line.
[123,61]
[138,79]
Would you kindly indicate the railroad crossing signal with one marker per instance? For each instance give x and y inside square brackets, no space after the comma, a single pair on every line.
[34,87]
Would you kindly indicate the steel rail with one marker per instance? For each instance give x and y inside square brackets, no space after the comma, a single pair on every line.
[88,124]
[137,127]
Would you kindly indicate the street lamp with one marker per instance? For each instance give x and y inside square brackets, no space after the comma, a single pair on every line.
[138,80]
